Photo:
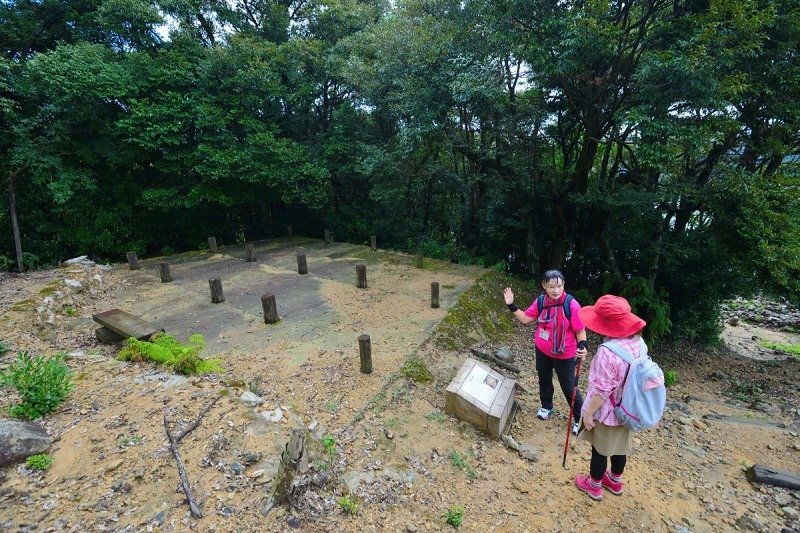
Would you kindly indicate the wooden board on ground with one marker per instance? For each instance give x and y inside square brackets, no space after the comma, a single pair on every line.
[106,336]
[773,476]
[126,324]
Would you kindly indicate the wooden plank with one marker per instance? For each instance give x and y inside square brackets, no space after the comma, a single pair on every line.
[126,324]
[773,476]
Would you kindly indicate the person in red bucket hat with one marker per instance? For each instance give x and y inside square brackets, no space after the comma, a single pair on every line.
[611,317]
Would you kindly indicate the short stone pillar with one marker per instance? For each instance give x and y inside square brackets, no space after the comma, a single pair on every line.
[302,265]
[251,256]
[365,353]
[289,230]
[163,270]
[361,276]
[212,244]
[435,294]
[327,235]
[270,309]
[373,243]
[418,262]
[133,261]
[480,396]
[216,290]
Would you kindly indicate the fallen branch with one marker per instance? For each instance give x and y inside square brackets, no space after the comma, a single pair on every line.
[494,360]
[187,489]
[196,422]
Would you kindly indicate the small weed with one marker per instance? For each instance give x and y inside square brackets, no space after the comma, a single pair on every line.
[390,423]
[129,440]
[437,416]
[4,347]
[746,392]
[416,370]
[670,376]
[225,392]
[793,349]
[320,465]
[43,383]
[457,460]
[330,445]
[70,310]
[347,505]
[454,516]
[403,394]
[331,406]
[39,462]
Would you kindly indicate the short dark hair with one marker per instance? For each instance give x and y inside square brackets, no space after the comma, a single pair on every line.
[552,274]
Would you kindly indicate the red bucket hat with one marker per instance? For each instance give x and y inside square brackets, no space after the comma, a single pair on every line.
[611,316]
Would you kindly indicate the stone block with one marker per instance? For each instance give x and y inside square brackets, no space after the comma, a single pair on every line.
[480,396]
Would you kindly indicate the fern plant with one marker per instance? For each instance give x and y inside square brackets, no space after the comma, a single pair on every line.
[168,351]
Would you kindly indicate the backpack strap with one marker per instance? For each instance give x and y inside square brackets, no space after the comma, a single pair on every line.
[567,301]
[626,356]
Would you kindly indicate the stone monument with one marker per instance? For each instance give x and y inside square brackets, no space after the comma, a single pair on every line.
[480,396]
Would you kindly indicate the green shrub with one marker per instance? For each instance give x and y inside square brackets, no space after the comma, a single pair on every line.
[650,306]
[347,505]
[669,377]
[454,516]
[166,350]
[42,383]
[39,462]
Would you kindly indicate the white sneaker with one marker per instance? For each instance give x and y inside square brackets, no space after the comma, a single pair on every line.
[543,413]
[576,427]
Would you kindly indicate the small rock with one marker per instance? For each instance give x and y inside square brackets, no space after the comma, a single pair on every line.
[237,468]
[113,466]
[411,528]
[159,518]
[250,398]
[49,504]
[791,512]
[526,451]
[699,424]
[226,511]
[73,284]
[388,434]
[685,420]
[273,416]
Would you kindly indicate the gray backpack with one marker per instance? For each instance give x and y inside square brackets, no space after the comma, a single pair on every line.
[644,395]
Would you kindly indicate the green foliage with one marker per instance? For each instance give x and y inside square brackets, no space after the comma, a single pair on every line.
[792,349]
[42,383]
[454,516]
[166,350]
[39,462]
[670,376]
[330,446]
[457,460]
[416,370]
[128,440]
[437,416]
[649,306]
[70,311]
[347,505]
[4,347]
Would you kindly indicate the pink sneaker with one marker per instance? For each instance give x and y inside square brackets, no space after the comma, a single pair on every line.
[590,486]
[614,487]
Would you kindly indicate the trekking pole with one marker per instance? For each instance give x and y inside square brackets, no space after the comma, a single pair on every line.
[571,411]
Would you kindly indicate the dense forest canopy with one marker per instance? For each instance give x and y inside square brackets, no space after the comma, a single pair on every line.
[647,148]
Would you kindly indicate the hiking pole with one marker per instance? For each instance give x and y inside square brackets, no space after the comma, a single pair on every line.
[571,411]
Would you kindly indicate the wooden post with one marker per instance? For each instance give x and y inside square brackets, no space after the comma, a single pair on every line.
[163,269]
[251,256]
[302,265]
[270,309]
[361,276]
[327,235]
[216,290]
[212,244]
[365,352]
[289,230]
[435,294]
[133,261]
[373,243]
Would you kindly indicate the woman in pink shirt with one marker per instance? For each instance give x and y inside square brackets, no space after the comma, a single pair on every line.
[610,316]
[558,338]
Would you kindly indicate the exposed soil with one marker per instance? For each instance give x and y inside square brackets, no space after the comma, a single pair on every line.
[394,447]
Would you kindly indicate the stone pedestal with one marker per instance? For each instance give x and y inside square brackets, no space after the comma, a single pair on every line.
[480,396]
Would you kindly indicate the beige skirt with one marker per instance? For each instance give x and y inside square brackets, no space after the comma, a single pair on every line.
[609,440]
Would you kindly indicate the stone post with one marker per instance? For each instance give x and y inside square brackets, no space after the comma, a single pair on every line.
[163,269]
[302,265]
[289,230]
[212,244]
[361,276]
[373,243]
[327,235]
[216,290]
[133,261]
[270,309]
[251,256]
[365,353]
[435,294]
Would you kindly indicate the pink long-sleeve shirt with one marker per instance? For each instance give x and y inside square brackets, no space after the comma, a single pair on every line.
[574,325]
[606,374]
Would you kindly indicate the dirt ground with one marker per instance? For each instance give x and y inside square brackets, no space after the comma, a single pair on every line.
[398,456]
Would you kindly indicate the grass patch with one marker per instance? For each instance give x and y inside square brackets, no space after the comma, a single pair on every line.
[670,376]
[438,416]
[39,462]
[416,370]
[454,516]
[457,460]
[792,349]
[166,350]
[21,306]
[480,313]
[347,505]
[4,347]
[129,440]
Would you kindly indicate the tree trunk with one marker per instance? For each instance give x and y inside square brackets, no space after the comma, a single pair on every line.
[12,208]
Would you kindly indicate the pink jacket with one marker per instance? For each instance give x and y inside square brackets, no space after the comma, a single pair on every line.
[606,375]
[570,342]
